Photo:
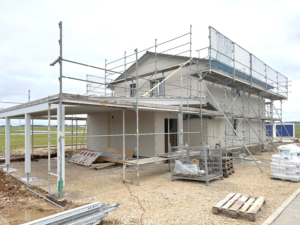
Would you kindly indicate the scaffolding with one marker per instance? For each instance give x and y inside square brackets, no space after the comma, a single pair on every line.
[136,80]
[228,86]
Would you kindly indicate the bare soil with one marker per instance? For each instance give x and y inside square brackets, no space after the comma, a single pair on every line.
[14,196]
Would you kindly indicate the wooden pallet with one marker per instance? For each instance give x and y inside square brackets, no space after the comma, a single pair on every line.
[227,173]
[227,159]
[235,205]
[226,164]
[284,179]
[227,168]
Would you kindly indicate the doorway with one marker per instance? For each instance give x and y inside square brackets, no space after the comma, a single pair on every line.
[171,129]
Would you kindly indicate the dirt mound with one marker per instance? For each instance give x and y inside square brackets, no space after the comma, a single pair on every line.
[14,196]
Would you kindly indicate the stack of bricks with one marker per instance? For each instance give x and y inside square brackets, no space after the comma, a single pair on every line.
[227,166]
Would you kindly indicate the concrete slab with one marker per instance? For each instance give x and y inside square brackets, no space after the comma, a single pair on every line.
[287,213]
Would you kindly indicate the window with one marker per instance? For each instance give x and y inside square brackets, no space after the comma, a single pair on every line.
[234,126]
[158,91]
[132,90]
[235,92]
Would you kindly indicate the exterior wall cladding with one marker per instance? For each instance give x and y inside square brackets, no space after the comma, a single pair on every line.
[153,122]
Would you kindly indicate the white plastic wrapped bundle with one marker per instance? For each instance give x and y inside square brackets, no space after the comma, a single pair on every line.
[285,167]
[189,169]
[289,150]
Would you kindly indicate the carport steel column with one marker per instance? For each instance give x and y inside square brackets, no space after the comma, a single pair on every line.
[27,145]
[7,142]
[60,174]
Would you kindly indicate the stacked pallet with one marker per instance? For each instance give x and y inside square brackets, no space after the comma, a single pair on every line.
[234,205]
[227,166]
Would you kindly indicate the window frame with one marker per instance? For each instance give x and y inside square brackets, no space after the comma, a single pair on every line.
[158,91]
[133,90]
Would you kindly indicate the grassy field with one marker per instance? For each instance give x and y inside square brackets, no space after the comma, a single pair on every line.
[17,129]
[18,141]
[297,130]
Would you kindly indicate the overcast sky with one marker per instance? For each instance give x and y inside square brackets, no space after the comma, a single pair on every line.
[97,30]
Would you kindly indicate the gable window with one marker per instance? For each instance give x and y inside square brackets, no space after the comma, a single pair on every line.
[159,90]
[132,90]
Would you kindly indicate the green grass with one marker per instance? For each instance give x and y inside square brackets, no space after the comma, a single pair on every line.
[297,130]
[16,129]
[18,141]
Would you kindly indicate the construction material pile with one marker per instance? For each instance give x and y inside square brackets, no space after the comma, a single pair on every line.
[286,164]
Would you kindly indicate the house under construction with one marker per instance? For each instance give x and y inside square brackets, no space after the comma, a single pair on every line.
[165,95]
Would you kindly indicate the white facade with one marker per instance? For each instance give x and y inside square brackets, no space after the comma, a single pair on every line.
[214,128]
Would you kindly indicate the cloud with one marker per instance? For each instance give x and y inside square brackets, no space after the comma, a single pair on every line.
[97,30]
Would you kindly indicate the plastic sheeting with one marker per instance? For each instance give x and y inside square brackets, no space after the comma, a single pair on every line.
[188,169]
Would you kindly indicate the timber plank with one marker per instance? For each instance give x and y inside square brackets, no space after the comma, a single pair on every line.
[256,209]
[247,205]
[233,210]
[222,202]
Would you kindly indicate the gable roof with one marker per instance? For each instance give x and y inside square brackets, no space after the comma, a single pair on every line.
[147,54]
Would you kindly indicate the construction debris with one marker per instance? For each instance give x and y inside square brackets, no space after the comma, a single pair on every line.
[99,166]
[85,158]
[110,157]
[114,155]
[235,205]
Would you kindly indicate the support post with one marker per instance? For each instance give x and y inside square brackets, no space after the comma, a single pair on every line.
[233,59]
[137,117]
[49,148]
[76,131]
[61,147]
[60,115]
[205,163]
[180,128]
[27,145]
[281,120]
[32,125]
[125,74]
[72,135]
[201,119]
[251,68]
[244,119]
[209,49]
[105,78]
[7,142]
[124,156]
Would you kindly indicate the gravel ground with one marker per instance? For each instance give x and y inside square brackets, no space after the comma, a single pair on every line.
[164,201]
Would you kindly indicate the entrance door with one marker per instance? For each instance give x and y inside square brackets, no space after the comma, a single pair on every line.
[172,129]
